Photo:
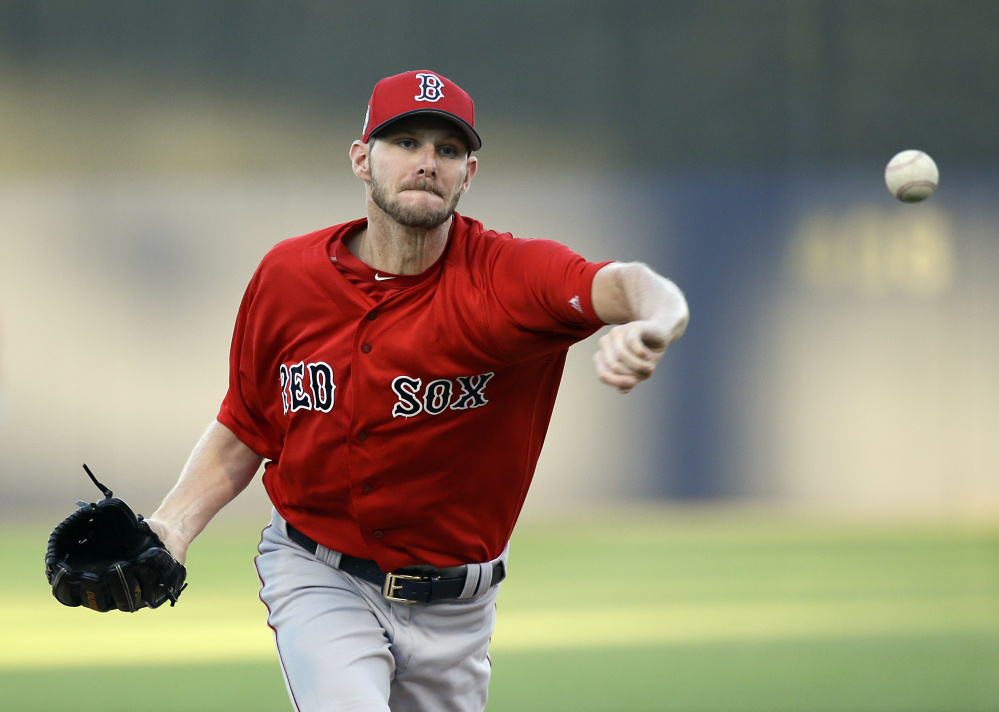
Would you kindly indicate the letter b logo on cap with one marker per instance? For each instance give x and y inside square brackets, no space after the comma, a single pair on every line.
[431,87]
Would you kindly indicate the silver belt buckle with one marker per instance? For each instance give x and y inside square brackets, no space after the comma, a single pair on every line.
[390,587]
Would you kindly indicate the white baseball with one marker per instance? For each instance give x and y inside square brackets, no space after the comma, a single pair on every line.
[911,176]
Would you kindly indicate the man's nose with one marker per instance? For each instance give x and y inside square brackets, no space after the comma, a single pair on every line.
[428,161]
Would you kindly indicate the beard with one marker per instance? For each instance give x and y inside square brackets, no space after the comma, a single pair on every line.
[417,216]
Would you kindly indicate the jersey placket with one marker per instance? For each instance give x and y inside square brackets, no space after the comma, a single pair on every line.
[360,433]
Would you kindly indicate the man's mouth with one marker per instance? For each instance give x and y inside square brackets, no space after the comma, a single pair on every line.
[425,187]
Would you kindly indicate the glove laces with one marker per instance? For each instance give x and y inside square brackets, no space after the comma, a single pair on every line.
[107,493]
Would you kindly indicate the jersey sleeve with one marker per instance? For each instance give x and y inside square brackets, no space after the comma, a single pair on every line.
[545,286]
[241,410]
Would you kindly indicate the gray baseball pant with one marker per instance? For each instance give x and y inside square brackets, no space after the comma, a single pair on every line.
[343,647]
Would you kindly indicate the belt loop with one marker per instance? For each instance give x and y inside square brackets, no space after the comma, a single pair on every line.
[487,574]
[479,577]
[473,573]
[328,556]
[485,577]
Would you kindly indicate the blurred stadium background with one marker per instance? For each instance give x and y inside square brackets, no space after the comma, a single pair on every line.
[842,356]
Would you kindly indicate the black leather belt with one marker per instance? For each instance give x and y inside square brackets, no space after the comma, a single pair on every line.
[409,585]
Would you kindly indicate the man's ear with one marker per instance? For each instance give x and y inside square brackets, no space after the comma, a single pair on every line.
[471,167]
[359,159]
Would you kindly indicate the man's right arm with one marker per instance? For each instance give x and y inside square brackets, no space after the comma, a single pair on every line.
[220,467]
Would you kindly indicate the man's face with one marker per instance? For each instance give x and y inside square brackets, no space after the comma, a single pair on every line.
[419,168]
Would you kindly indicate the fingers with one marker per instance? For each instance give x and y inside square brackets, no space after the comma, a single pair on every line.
[628,355]
[623,382]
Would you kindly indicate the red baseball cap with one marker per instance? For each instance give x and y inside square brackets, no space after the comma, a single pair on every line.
[420,92]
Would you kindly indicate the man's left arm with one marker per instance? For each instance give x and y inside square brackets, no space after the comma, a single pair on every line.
[651,313]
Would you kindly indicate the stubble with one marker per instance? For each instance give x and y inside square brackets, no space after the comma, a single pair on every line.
[415,216]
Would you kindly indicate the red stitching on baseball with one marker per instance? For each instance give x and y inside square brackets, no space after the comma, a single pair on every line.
[895,167]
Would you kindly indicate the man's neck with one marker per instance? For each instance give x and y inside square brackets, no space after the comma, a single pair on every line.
[387,246]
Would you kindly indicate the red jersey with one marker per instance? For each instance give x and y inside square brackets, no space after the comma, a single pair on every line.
[402,421]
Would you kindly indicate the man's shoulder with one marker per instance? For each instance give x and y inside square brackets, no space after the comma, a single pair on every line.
[467,227]
[478,243]
[474,240]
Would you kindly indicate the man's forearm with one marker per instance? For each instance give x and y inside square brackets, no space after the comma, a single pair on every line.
[219,468]
[625,292]
[652,297]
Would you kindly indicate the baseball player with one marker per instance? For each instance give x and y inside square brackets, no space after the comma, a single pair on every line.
[397,374]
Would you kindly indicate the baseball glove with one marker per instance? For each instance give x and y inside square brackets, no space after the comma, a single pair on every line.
[104,557]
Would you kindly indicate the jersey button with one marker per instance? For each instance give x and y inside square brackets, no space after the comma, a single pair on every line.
[362,436]
[377,533]
[372,316]
[366,489]
[366,348]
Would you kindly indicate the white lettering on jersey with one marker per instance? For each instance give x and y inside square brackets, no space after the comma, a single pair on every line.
[301,393]
[321,381]
[296,386]
[285,378]
[406,389]
[471,391]
[438,395]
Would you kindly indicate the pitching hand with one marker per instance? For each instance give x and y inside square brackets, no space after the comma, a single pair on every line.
[629,353]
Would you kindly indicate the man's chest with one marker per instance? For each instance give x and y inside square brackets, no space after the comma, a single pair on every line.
[402,360]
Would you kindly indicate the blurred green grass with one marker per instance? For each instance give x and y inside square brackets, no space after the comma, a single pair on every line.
[668,610]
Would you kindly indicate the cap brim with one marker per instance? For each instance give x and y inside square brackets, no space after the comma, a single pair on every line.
[474,142]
